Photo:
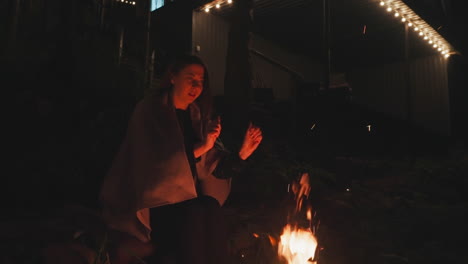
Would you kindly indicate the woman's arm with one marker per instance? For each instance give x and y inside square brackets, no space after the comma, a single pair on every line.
[214,129]
[234,163]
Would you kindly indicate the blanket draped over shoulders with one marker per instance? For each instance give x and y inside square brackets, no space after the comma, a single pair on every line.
[151,168]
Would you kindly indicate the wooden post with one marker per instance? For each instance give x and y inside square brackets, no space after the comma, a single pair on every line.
[151,71]
[121,42]
[147,45]
[238,78]
[409,104]
[326,44]
[14,24]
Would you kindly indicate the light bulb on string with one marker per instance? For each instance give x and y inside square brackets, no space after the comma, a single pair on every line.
[410,24]
[421,34]
[447,55]
[430,42]
[382,3]
[403,19]
[416,28]
[397,14]
[389,9]
[229,1]
[217,5]
[435,46]
[207,9]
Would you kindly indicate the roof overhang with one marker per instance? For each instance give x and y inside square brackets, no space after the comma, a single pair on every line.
[405,15]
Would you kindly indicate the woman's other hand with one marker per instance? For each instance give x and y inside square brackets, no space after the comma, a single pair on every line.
[213,132]
[253,137]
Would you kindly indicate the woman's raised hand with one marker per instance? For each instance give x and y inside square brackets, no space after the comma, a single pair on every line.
[212,133]
[253,137]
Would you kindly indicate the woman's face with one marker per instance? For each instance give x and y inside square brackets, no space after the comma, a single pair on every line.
[187,85]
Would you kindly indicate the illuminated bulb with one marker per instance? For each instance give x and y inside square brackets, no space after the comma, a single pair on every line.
[229,1]
[397,14]
[447,55]
[410,24]
[430,42]
[425,37]
[435,46]
[444,51]
[207,9]
[382,3]
[133,3]
[416,28]
[389,9]
[439,49]
[217,5]
[420,33]
[403,20]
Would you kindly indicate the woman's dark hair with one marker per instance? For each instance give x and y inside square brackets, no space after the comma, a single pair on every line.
[204,101]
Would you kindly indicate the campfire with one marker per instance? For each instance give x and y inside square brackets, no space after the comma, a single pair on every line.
[298,245]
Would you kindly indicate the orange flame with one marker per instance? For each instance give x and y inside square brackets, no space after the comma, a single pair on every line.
[297,246]
[273,241]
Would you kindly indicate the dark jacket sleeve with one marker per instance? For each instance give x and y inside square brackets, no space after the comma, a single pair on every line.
[229,165]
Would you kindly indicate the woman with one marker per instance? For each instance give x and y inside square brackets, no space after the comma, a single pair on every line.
[161,182]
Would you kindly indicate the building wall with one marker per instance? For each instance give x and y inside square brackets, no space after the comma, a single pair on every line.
[311,71]
[384,89]
[210,34]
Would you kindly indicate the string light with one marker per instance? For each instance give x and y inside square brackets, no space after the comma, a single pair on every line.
[216,3]
[424,30]
[127,2]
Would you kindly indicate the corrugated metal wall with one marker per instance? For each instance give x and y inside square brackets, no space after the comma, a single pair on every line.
[274,76]
[267,75]
[384,89]
[210,33]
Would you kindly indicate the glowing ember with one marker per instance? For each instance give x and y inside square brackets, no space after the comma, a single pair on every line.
[297,246]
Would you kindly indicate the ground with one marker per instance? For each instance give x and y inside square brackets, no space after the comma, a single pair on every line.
[374,206]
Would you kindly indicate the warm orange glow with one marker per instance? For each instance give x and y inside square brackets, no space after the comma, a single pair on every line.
[273,241]
[255,235]
[297,246]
